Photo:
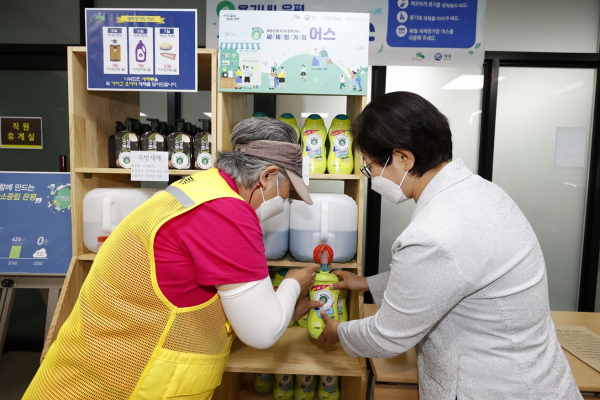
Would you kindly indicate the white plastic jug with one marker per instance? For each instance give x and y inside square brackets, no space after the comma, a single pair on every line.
[104,209]
[276,234]
[332,219]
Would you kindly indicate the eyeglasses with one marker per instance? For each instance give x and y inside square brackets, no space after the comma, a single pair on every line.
[366,170]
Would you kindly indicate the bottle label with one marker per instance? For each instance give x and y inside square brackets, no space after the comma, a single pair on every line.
[341,145]
[314,145]
[307,383]
[204,160]
[324,295]
[180,161]
[125,160]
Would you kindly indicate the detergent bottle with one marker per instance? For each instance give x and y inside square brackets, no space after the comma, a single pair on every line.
[342,307]
[320,291]
[279,277]
[291,120]
[340,159]
[303,322]
[259,114]
[305,387]
[314,135]
[263,383]
[329,388]
[283,389]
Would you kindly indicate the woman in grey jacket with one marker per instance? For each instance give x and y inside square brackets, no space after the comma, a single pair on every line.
[467,284]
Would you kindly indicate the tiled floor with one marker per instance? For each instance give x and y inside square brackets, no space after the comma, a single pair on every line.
[17,368]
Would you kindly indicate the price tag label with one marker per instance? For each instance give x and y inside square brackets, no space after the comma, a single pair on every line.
[305,169]
[150,166]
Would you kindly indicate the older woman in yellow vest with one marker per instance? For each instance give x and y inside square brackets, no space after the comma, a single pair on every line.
[157,313]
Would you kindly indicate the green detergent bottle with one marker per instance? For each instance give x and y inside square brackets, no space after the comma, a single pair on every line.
[259,114]
[279,277]
[283,389]
[342,307]
[314,135]
[305,387]
[303,322]
[320,291]
[329,388]
[340,159]
[291,120]
[263,383]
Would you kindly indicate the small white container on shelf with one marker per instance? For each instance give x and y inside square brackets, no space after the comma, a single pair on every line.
[276,234]
[332,219]
[104,209]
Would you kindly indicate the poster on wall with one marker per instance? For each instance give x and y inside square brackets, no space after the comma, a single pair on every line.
[35,223]
[401,32]
[302,53]
[142,49]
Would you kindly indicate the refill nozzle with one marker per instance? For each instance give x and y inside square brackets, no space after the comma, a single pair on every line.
[323,254]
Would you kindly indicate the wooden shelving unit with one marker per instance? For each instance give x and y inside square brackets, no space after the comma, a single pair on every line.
[91,121]
[296,353]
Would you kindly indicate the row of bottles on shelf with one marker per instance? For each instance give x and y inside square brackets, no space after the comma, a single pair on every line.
[329,151]
[188,145]
[283,387]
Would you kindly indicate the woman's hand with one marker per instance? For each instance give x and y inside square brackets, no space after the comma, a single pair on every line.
[304,276]
[329,335]
[350,281]
[303,305]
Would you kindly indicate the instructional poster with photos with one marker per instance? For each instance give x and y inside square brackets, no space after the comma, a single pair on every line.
[142,49]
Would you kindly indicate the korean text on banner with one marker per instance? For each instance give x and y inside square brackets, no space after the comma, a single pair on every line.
[401,32]
[305,53]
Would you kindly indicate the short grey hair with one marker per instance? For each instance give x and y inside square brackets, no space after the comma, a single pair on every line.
[246,170]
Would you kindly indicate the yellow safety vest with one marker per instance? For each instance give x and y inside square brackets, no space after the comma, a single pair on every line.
[124,339]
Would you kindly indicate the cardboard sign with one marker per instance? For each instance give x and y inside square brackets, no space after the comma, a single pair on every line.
[21,133]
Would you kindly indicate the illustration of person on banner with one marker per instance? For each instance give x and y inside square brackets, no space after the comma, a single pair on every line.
[315,60]
[323,58]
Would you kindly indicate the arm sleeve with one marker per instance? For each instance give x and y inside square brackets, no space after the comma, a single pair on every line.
[257,301]
[424,284]
[377,284]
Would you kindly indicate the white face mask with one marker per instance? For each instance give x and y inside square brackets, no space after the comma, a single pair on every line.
[388,188]
[272,207]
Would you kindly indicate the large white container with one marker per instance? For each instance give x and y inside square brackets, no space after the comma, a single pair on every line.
[103,209]
[276,234]
[332,219]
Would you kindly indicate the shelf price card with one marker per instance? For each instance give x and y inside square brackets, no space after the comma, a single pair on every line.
[142,49]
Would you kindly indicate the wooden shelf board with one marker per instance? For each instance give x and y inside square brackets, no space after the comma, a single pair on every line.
[286,261]
[290,262]
[122,171]
[295,353]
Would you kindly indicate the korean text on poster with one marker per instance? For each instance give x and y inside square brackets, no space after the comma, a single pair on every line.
[142,49]
[35,223]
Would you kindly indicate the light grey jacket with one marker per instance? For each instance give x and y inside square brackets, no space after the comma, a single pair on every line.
[468,287]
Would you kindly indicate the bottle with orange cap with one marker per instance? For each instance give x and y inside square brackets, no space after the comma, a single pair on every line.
[320,291]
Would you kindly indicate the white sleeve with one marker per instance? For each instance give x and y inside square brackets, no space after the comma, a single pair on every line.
[257,313]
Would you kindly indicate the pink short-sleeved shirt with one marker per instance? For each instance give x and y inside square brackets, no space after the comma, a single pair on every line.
[218,242]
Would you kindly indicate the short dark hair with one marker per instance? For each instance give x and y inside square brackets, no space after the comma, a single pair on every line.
[404,120]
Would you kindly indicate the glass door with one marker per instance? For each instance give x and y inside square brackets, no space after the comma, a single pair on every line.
[542,140]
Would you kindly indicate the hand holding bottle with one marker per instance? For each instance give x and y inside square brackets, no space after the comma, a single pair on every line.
[304,276]
[350,281]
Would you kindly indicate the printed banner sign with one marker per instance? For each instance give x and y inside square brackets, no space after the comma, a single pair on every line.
[21,133]
[402,32]
[142,49]
[35,223]
[303,53]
